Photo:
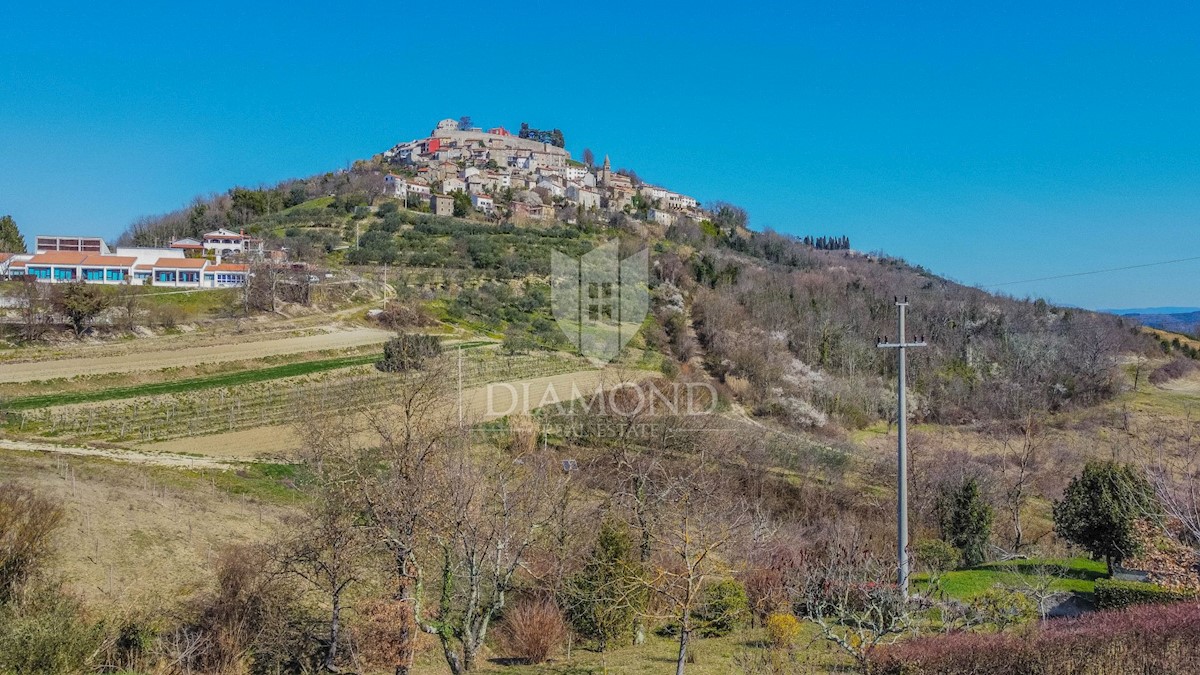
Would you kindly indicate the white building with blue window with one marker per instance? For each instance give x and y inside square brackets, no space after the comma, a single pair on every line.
[172,271]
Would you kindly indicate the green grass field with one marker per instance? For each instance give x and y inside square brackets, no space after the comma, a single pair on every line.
[1076,575]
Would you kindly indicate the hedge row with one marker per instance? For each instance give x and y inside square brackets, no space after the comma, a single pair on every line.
[1116,594]
[1159,639]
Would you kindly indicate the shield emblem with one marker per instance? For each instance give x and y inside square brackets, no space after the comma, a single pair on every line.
[600,301]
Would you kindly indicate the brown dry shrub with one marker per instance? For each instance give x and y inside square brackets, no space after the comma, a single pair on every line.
[1148,639]
[383,632]
[532,631]
[523,434]
[1172,371]
[400,315]
[28,521]
[252,619]
[167,316]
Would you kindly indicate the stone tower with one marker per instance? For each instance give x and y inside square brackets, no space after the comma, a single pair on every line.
[605,171]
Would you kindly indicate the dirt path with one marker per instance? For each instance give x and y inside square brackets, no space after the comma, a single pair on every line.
[160,358]
[131,456]
[479,405]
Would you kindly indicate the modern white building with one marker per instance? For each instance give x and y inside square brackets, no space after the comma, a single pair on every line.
[224,242]
[140,269]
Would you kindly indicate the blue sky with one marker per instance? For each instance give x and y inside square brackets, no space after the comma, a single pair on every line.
[988,144]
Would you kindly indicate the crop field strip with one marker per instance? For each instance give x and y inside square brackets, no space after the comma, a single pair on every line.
[205,382]
[257,404]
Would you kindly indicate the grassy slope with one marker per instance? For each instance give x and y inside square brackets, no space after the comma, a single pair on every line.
[712,656]
[1078,575]
[146,536]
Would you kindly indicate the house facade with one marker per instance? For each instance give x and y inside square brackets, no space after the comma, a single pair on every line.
[442,205]
[224,242]
[452,184]
[129,265]
[483,203]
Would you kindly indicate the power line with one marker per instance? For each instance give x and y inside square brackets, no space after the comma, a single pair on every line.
[1104,271]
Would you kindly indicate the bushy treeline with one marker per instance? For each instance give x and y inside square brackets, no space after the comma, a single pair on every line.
[250,208]
[841,243]
[801,326]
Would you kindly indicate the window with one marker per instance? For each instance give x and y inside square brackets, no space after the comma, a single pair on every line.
[94,275]
[116,275]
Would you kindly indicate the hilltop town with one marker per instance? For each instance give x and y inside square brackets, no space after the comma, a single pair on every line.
[523,177]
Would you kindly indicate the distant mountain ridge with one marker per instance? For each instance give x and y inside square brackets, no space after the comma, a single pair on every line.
[1151,310]
[1175,319]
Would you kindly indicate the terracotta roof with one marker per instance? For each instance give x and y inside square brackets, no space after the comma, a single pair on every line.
[143,266]
[58,258]
[181,263]
[227,267]
[110,260]
[5,256]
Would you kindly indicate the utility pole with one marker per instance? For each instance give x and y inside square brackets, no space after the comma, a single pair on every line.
[460,385]
[901,446]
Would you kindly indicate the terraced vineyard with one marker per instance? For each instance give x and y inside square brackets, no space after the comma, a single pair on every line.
[220,410]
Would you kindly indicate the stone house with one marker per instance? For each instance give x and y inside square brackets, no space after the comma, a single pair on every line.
[442,205]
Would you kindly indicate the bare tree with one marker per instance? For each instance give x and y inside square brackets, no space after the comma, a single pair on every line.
[496,507]
[128,301]
[396,477]
[33,309]
[261,288]
[1021,465]
[328,545]
[1174,474]
[704,520]
[1037,582]
[843,594]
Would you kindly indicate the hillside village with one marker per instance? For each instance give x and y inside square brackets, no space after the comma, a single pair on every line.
[518,178]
